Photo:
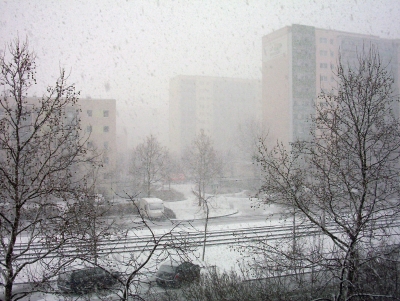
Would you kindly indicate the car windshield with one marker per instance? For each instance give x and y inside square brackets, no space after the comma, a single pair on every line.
[155,206]
[167,268]
[64,276]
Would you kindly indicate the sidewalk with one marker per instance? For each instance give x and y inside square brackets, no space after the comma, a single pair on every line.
[218,206]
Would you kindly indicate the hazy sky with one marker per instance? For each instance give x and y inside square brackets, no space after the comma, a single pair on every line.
[128,50]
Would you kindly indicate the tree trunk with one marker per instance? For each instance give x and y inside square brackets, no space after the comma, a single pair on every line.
[199,194]
[205,231]
[8,289]
[148,185]
[351,272]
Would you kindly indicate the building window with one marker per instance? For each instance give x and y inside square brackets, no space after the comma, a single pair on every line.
[90,144]
[331,41]
[323,40]
[106,129]
[105,113]
[323,78]
[323,65]
[89,113]
[106,160]
[332,53]
[70,115]
[89,129]
[323,52]
[105,144]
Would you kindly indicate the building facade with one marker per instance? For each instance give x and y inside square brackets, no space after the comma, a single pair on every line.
[298,62]
[98,123]
[217,105]
[97,128]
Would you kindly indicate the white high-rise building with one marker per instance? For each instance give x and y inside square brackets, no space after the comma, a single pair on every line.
[216,105]
[298,62]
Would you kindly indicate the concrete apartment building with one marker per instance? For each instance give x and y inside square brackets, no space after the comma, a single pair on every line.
[98,121]
[217,105]
[298,63]
[98,124]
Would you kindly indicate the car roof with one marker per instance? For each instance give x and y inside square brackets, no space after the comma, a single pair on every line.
[153,200]
[175,261]
[170,263]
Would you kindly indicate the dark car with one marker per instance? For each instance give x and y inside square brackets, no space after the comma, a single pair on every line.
[174,274]
[86,280]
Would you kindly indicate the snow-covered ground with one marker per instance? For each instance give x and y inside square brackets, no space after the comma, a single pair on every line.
[236,204]
[223,257]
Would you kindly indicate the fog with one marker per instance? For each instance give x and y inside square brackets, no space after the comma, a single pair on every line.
[129,50]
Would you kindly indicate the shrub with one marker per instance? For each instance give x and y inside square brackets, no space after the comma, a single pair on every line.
[169,195]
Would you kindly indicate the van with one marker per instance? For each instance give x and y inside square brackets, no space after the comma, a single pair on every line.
[152,208]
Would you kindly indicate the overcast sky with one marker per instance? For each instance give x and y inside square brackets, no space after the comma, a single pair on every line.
[128,50]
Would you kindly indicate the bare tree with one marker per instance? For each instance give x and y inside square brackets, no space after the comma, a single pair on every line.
[141,248]
[345,181]
[202,164]
[172,167]
[248,135]
[150,160]
[94,225]
[43,164]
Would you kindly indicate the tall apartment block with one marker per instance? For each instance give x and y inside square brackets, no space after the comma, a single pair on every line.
[298,63]
[98,122]
[217,105]
[98,126]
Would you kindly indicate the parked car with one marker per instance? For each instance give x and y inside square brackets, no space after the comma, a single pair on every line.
[174,274]
[152,208]
[86,280]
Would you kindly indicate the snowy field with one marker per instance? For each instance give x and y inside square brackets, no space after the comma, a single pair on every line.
[240,209]
[235,205]
[223,257]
